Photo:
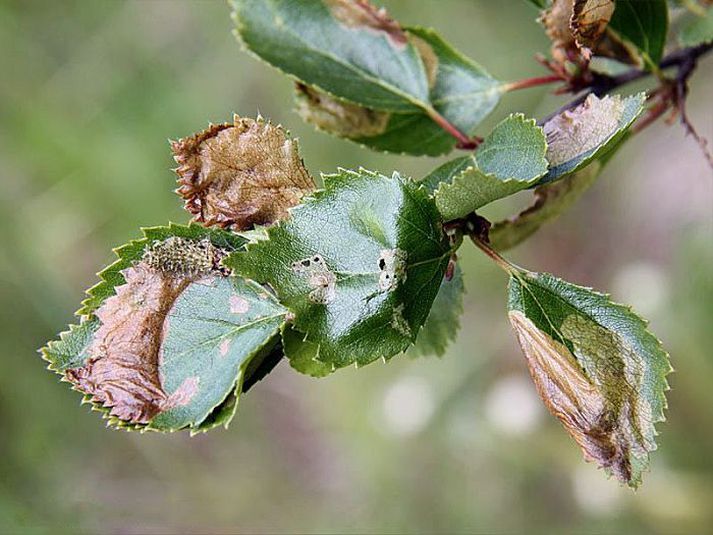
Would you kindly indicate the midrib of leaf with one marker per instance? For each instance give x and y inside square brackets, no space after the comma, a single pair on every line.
[229,334]
[571,307]
[524,286]
[376,81]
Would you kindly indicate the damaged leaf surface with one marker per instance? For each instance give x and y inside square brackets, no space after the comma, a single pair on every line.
[577,137]
[358,265]
[589,21]
[210,334]
[365,78]
[510,159]
[240,175]
[167,334]
[597,368]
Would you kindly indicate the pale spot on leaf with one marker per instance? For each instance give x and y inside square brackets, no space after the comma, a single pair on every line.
[399,323]
[184,394]
[574,132]
[224,347]
[240,175]
[392,267]
[319,277]
[239,305]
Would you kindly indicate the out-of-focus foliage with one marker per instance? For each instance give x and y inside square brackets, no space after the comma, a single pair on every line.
[91,91]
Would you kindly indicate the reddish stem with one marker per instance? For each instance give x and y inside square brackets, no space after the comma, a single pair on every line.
[533,82]
[464,142]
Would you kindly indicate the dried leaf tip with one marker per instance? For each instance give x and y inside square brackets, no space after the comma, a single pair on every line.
[587,126]
[575,27]
[240,175]
[362,14]
[594,389]
[122,372]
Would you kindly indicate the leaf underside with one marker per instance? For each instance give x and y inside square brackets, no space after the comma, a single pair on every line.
[365,78]
[443,322]
[550,200]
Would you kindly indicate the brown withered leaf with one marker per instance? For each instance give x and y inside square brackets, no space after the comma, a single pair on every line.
[571,397]
[574,132]
[240,175]
[556,21]
[362,14]
[122,371]
[596,367]
[575,27]
[589,21]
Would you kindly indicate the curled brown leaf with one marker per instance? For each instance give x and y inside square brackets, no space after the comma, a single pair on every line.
[122,371]
[336,116]
[589,21]
[240,175]
[598,406]
[576,131]
[575,27]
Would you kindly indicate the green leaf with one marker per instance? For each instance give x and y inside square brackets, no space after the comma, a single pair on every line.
[70,351]
[446,173]
[596,367]
[643,24]
[167,336]
[510,159]
[303,353]
[364,77]
[551,200]
[443,322]
[212,331]
[580,136]
[696,29]
[358,265]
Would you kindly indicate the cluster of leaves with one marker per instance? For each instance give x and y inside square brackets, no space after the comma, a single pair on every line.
[190,317]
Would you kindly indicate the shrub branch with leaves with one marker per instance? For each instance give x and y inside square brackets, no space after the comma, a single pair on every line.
[364,268]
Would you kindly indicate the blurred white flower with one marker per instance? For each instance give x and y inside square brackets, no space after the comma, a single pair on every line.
[644,285]
[512,405]
[594,493]
[407,406]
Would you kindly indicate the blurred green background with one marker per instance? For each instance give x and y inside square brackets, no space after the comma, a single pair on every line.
[91,90]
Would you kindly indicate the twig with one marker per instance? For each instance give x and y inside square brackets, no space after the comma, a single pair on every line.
[602,84]
[533,82]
